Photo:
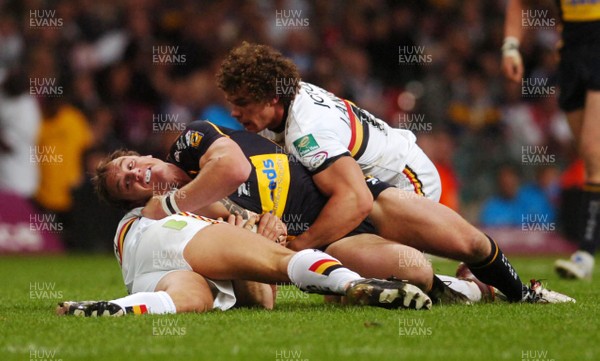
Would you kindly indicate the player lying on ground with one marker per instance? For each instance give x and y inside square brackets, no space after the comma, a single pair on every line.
[128,179]
[169,266]
[341,143]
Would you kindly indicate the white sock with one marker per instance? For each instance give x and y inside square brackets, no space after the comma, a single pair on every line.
[467,288]
[147,302]
[314,271]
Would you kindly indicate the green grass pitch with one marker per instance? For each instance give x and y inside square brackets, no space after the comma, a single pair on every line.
[300,328]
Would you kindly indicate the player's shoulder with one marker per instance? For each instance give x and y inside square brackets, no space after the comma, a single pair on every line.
[313,95]
[197,135]
[132,214]
[202,126]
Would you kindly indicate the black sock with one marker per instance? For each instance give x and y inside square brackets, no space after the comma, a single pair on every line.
[497,271]
[591,231]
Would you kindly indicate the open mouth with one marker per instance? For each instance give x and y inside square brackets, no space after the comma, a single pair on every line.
[147,176]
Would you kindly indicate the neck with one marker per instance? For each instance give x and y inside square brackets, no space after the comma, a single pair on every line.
[281,113]
[180,177]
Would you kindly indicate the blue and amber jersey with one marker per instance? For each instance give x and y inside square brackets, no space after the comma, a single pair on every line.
[278,183]
[581,21]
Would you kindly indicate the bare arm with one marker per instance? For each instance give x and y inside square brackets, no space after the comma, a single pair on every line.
[223,168]
[269,226]
[512,64]
[350,202]
[233,208]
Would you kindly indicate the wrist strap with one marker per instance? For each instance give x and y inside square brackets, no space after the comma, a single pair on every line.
[510,44]
[168,203]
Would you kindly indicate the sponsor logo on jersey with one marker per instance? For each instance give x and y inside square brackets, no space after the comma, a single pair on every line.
[318,159]
[193,138]
[306,144]
[273,176]
[244,189]
[371,180]
[180,143]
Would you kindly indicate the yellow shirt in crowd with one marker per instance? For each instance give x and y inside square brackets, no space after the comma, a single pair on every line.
[62,142]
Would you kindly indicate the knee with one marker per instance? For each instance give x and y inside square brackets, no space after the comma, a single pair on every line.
[474,246]
[193,302]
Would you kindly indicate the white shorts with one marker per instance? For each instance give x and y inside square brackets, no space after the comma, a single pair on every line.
[420,175]
[157,250]
[411,170]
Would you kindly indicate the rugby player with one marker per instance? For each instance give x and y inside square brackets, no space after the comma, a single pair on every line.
[579,82]
[275,183]
[169,266]
[340,144]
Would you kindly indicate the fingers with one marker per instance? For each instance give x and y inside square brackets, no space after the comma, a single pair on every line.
[281,234]
[512,67]
[282,240]
[249,224]
[271,227]
[267,226]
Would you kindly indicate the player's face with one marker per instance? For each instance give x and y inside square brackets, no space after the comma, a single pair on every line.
[254,116]
[138,178]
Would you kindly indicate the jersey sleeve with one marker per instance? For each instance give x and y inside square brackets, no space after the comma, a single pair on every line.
[317,148]
[193,143]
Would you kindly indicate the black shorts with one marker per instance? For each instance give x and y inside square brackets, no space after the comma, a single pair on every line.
[366,226]
[579,71]
[376,186]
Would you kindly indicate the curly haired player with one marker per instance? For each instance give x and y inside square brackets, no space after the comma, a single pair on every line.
[340,144]
[273,183]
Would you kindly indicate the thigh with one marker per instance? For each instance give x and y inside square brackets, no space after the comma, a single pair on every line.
[226,252]
[590,136]
[374,256]
[427,226]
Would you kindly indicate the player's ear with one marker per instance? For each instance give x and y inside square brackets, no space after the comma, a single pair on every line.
[274,101]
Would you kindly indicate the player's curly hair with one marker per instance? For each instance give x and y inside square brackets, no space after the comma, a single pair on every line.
[101,177]
[258,73]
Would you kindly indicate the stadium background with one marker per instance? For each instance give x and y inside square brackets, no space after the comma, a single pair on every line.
[82,78]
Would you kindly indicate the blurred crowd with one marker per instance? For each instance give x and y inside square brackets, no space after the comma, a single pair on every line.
[80,78]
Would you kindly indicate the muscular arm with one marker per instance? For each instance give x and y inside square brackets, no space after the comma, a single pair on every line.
[350,202]
[223,209]
[233,208]
[269,226]
[223,168]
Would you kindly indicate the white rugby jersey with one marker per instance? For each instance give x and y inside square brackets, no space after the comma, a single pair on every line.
[321,127]
[149,249]
[127,231]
